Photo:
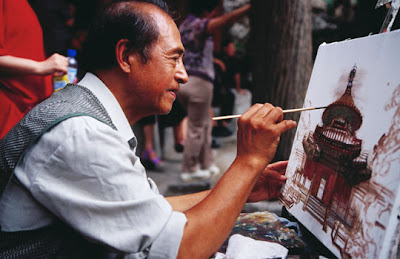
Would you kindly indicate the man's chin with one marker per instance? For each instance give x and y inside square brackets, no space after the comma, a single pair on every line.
[165,110]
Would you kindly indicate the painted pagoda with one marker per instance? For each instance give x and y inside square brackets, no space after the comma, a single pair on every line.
[333,165]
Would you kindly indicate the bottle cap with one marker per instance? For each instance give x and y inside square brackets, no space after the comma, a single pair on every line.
[71,52]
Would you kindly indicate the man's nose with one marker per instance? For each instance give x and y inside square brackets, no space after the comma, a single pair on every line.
[181,74]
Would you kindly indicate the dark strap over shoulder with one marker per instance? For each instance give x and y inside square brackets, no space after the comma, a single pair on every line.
[71,101]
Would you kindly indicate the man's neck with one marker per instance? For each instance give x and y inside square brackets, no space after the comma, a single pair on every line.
[116,84]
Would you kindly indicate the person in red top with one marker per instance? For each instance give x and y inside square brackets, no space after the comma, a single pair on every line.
[25,73]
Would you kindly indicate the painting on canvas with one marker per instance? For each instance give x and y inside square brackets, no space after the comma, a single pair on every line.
[344,168]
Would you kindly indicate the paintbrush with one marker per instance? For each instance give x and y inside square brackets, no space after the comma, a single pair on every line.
[284,111]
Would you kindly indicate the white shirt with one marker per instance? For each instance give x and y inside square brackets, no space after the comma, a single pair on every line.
[88,176]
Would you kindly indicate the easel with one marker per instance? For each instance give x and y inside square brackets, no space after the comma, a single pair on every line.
[313,244]
[387,26]
[391,15]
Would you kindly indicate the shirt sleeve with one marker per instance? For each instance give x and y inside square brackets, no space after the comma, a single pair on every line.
[89,177]
[194,31]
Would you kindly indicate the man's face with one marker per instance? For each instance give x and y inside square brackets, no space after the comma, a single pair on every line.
[157,81]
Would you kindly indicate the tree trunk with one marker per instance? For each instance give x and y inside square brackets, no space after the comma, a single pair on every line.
[281,47]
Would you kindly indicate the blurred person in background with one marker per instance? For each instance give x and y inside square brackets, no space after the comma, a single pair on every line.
[25,73]
[196,96]
[228,68]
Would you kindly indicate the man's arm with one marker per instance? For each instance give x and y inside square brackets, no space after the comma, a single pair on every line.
[267,186]
[56,64]
[227,19]
[258,136]
[183,203]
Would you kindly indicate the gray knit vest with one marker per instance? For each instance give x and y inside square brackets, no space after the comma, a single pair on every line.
[53,241]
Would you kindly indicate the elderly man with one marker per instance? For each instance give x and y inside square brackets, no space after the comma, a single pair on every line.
[76,187]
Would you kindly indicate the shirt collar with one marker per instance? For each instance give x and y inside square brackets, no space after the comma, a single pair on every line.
[110,103]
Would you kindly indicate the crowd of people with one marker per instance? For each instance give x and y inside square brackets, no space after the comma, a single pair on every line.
[71,183]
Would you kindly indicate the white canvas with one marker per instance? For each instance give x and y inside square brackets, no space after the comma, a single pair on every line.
[351,206]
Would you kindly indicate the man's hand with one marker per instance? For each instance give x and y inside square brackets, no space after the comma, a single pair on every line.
[269,182]
[259,130]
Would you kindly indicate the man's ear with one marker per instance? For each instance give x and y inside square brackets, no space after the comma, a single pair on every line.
[124,55]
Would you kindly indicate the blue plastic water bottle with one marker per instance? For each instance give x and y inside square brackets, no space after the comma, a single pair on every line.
[72,67]
[72,71]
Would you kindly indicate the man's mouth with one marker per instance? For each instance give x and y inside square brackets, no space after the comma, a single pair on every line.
[173,92]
